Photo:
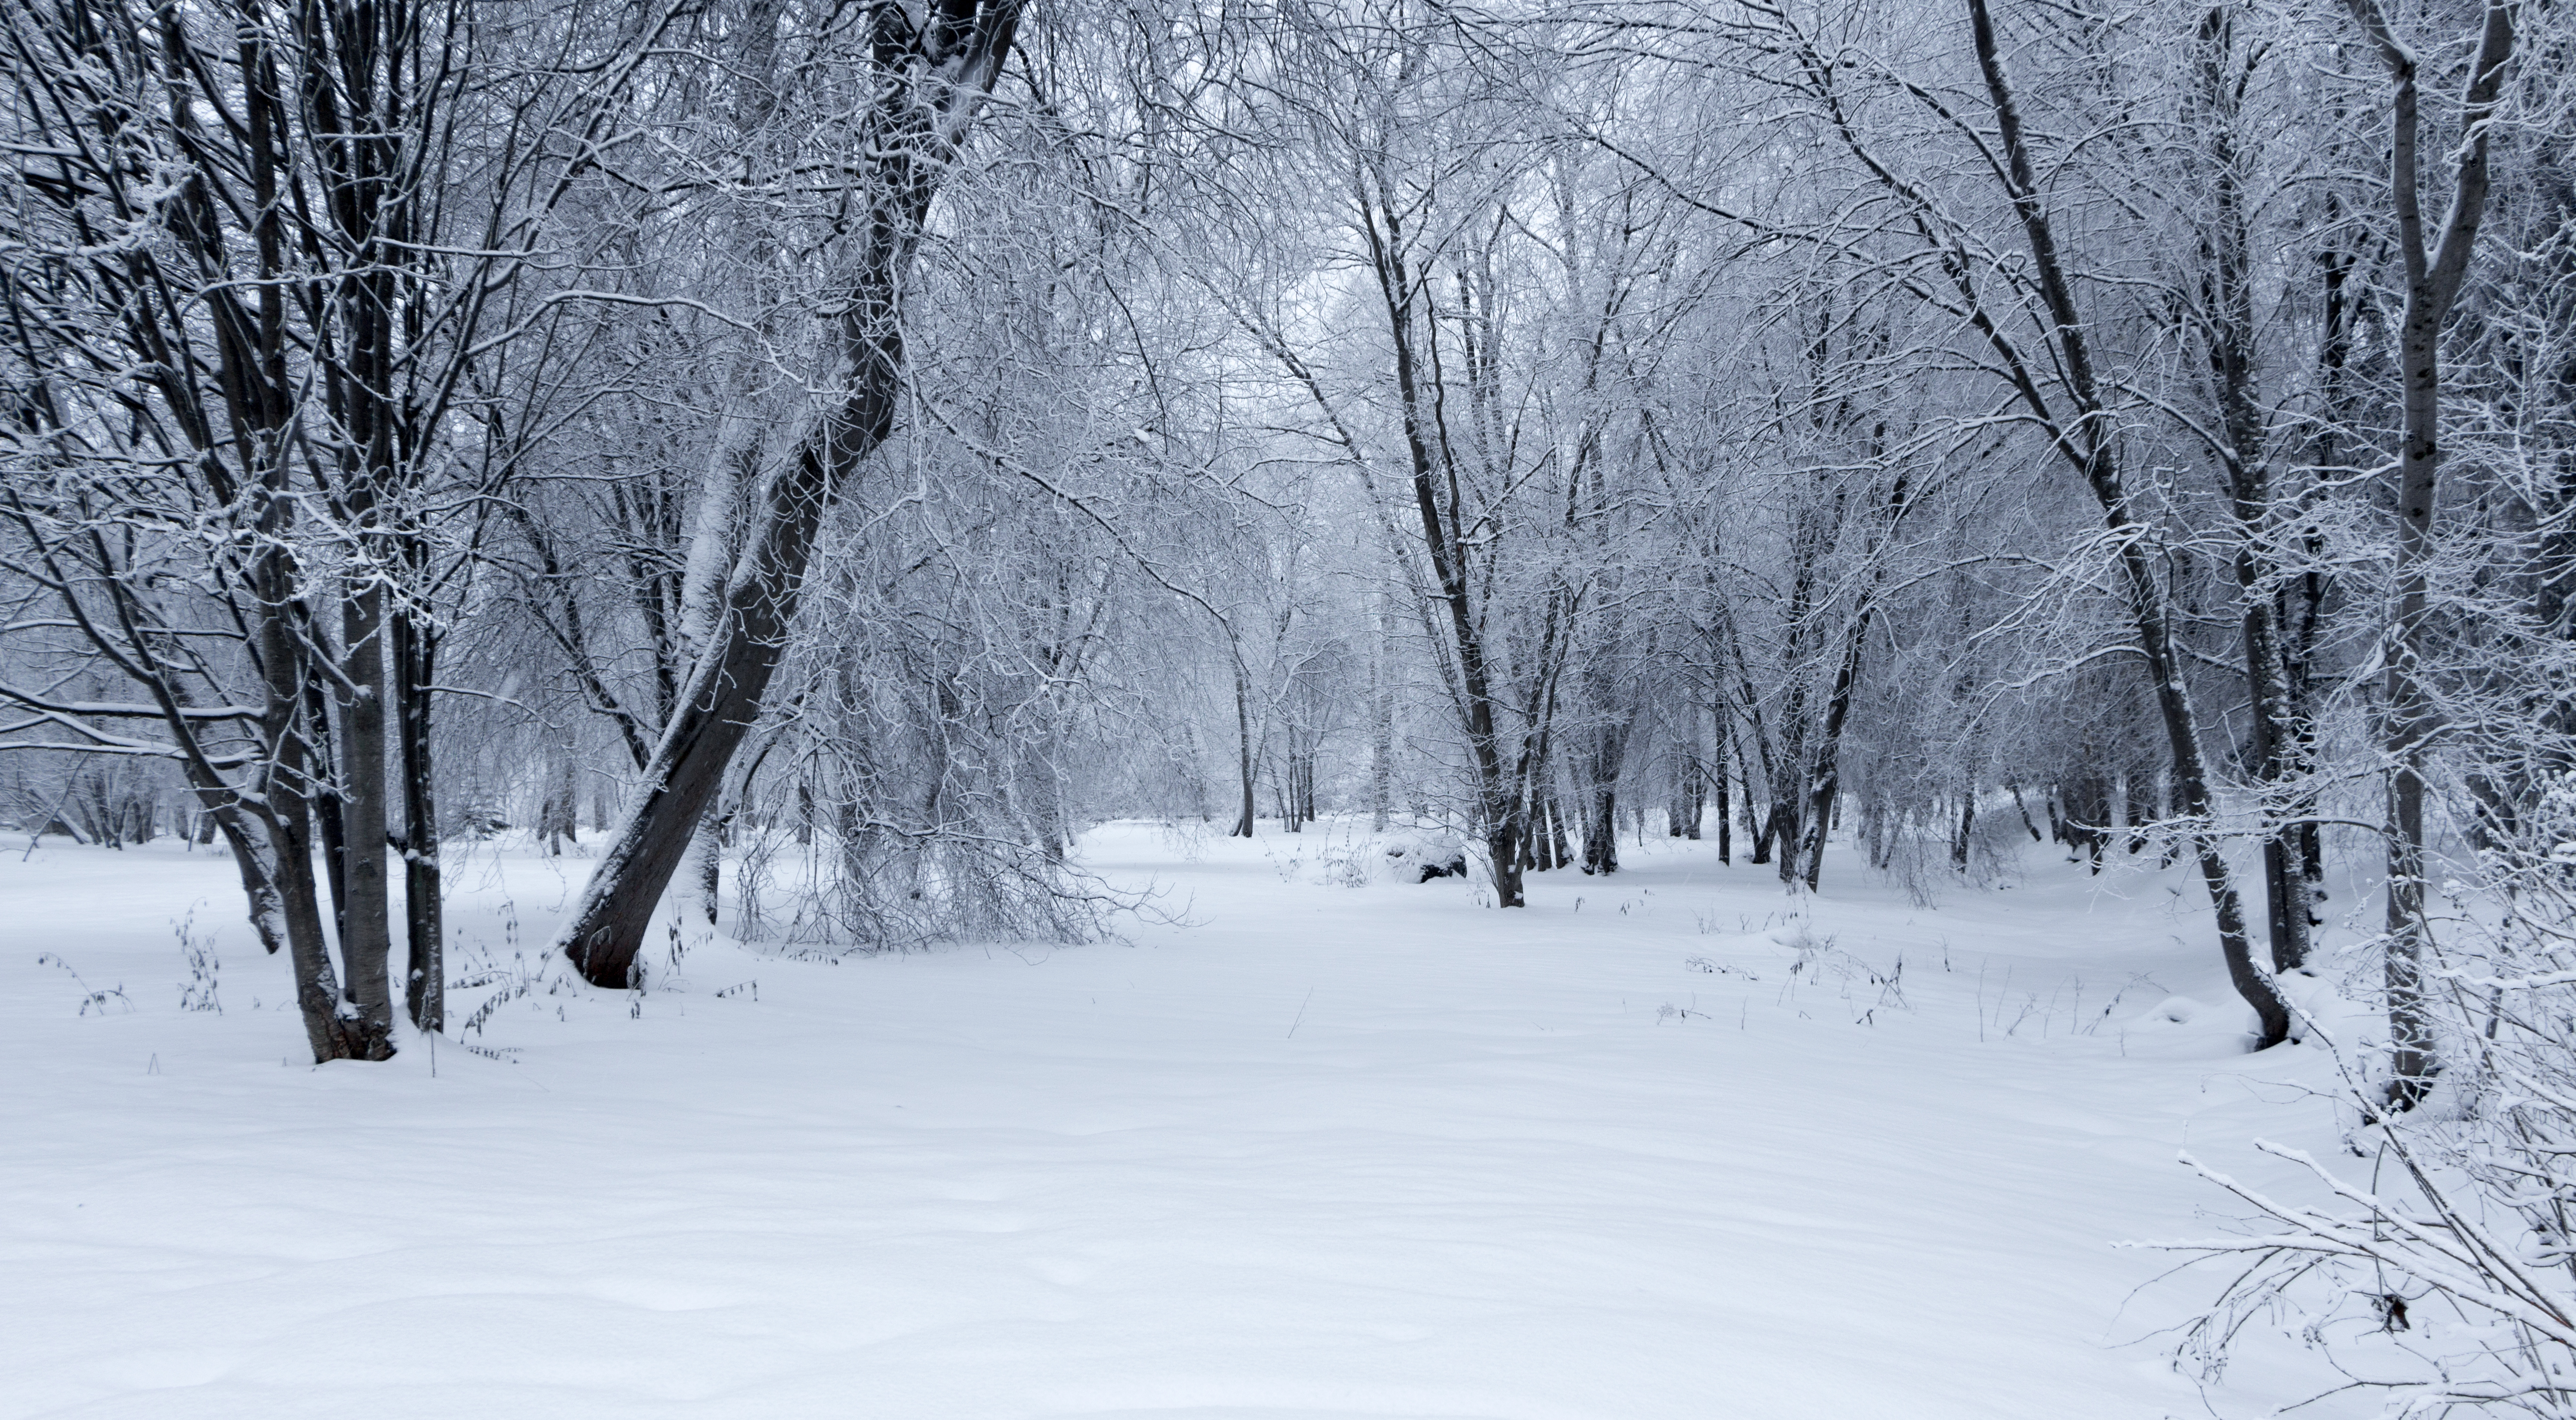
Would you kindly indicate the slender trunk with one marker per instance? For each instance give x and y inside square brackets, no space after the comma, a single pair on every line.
[415,650]
[1600,834]
[2434,272]
[277,862]
[1243,749]
[325,806]
[1717,786]
[2231,336]
[1827,778]
[366,938]
[1501,805]
[1785,830]
[706,863]
[2087,443]
[1381,735]
[1603,767]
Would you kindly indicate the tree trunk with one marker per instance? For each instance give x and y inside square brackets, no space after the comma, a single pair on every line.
[2086,444]
[1502,805]
[2231,327]
[1600,833]
[706,863]
[276,860]
[1725,809]
[325,801]
[415,650]
[724,693]
[932,80]
[1243,748]
[2433,275]
[366,937]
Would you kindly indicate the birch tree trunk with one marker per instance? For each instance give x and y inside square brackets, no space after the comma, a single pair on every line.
[2434,272]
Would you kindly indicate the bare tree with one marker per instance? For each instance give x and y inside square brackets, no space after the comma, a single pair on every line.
[926,72]
[2436,262]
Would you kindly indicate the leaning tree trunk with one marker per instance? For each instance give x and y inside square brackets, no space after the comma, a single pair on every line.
[725,690]
[2086,442]
[935,73]
[1501,802]
[1826,785]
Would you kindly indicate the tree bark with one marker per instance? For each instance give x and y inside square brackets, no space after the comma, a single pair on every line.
[1717,788]
[2229,323]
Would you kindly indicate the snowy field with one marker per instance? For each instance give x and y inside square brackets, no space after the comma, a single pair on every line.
[1664,1145]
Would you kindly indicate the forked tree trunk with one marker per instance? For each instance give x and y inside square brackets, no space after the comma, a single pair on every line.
[275,845]
[2434,272]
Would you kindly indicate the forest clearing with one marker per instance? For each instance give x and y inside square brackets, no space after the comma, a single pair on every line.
[1670,1145]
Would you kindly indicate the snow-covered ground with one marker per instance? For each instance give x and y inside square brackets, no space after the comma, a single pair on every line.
[1668,1144]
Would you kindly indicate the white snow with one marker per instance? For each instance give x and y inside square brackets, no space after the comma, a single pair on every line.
[1666,1144]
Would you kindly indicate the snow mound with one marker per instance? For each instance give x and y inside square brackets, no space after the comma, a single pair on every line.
[1420,857]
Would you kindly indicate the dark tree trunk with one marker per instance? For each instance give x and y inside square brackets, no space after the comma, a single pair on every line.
[1243,749]
[2231,336]
[724,693]
[1717,784]
[2085,442]
[415,650]
[1600,829]
[325,804]
[932,80]
[366,936]
[1502,781]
